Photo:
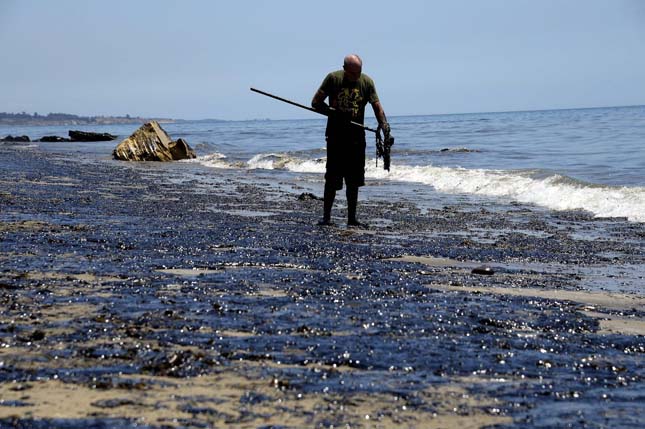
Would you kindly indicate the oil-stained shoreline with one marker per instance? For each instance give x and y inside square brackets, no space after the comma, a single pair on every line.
[133,298]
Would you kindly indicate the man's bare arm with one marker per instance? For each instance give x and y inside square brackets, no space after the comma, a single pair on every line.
[379,113]
[318,99]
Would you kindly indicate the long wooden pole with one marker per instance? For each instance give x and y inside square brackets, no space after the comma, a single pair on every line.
[308,108]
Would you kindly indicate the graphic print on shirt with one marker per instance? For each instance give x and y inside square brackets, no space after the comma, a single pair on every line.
[350,101]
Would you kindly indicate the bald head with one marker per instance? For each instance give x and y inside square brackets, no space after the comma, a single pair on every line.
[353,59]
[353,66]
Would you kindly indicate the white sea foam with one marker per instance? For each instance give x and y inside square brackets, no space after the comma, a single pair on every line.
[274,161]
[215,160]
[554,192]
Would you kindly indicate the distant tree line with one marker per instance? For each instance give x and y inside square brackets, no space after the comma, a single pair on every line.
[35,118]
[54,116]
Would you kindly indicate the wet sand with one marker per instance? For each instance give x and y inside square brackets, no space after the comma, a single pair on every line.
[139,295]
[613,303]
[228,398]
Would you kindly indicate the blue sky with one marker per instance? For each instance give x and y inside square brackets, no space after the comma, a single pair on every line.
[197,59]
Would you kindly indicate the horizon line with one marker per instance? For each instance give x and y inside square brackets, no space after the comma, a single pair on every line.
[157,117]
[432,114]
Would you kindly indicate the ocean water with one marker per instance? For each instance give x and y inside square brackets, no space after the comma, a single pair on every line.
[588,159]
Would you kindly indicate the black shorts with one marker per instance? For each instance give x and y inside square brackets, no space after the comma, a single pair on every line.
[345,160]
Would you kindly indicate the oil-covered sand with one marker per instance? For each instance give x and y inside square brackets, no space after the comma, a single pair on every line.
[134,297]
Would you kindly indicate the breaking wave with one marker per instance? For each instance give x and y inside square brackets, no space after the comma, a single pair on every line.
[553,191]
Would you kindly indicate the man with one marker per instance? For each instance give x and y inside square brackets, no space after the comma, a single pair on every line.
[348,91]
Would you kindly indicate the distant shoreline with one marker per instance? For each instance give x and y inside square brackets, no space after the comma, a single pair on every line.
[22,119]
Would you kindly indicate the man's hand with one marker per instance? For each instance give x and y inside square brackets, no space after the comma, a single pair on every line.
[386,132]
[322,107]
[333,113]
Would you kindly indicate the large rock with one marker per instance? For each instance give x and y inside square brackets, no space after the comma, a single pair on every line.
[85,136]
[10,138]
[152,143]
[53,139]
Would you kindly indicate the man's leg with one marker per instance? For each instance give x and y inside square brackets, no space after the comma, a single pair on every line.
[352,201]
[355,180]
[329,197]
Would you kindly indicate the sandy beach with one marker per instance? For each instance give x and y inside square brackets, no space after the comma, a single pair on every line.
[134,295]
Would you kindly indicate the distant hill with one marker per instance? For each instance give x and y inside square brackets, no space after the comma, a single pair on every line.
[69,119]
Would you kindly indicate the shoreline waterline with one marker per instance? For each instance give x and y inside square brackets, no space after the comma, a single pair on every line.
[577,159]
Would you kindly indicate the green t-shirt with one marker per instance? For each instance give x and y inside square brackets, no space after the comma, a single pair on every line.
[349,98]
